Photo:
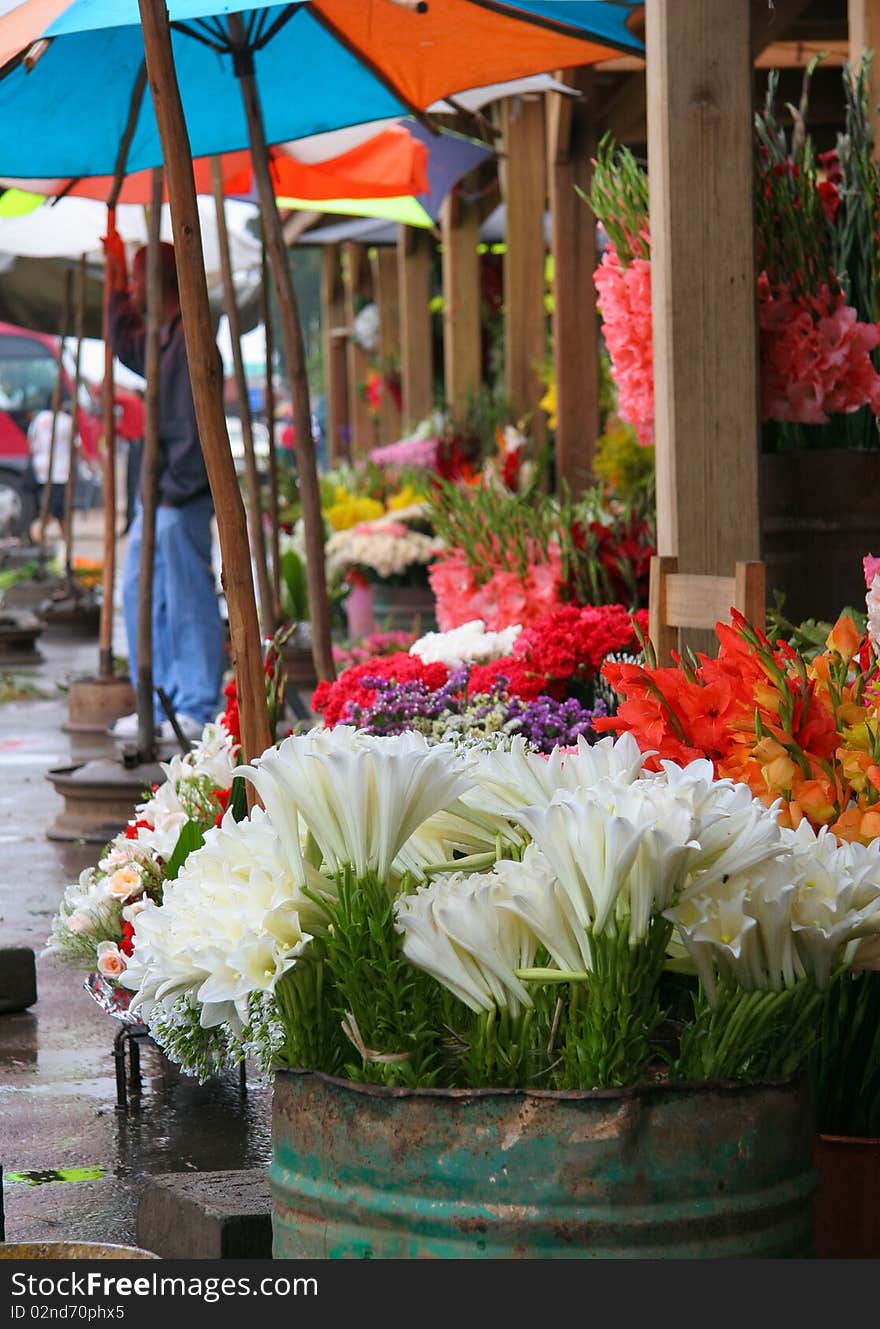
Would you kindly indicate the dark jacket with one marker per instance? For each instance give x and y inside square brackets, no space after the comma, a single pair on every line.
[182,474]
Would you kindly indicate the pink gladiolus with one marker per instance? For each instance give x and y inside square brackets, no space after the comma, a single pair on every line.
[871,567]
[625,305]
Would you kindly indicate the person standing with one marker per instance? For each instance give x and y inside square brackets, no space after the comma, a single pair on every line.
[188,632]
[39,436]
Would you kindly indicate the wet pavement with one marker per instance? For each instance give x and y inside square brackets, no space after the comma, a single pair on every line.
[58,1096]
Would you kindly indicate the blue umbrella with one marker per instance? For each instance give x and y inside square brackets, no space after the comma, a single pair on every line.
[318,65]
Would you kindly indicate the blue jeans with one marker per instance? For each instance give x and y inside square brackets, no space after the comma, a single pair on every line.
[188,634]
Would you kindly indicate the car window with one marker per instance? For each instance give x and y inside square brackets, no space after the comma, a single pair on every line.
[28,371]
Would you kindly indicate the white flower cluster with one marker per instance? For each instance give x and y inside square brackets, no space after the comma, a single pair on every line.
[88,926]
[612,848]
[365,327]
[238,915]
[468,644]
[387,549]
[598,847]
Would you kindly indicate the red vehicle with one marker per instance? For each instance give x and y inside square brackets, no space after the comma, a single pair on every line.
[28,370]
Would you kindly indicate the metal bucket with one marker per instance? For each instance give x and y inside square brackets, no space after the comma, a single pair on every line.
[73,1250]
[660,1172]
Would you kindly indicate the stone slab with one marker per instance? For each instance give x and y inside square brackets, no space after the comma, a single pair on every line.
[207,1215]
[18,979]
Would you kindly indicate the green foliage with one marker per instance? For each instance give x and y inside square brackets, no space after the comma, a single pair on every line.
[619,198]
[294,594]
[845,1066]
[625,465]
[191,837]
[808,637]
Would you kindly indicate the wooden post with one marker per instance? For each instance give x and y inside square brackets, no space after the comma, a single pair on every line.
[700,140]
[252,475]
[864,35]
[385,286]
[571,139]
[269,402]
[149,478]
[108,581]
[358,290]
[335,354]
[525,317]
[205,373]
[70,491]
[57,390]
[294,354]
[414,249]
[462,352]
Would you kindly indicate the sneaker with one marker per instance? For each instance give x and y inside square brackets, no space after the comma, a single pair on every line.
[189,727]
[125,727]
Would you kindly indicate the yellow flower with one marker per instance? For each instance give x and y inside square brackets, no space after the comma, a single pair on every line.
[407,498]
[548,404]
[349,511]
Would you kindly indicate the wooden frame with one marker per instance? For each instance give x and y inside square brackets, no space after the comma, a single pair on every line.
[684,600]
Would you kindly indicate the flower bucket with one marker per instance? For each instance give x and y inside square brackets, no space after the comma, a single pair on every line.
[359,610]
[404,608]
[661,1172]
[847,1215]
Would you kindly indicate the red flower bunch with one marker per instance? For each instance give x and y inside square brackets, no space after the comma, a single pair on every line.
[561,652]
[335,700]
[815,356]
[131,830]
[230,719]
[126,941]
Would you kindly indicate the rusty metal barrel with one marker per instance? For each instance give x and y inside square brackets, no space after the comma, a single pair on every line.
[656,1172]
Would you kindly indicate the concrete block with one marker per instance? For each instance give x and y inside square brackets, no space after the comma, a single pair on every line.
[18,979]
[207,1215]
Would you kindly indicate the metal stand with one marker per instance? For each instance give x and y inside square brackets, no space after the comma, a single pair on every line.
[127,1038]
[128,1076]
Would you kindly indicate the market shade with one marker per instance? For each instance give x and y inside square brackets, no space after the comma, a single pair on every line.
[317,64]
[390,161]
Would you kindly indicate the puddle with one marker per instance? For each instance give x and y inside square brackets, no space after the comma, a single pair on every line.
[40,1176]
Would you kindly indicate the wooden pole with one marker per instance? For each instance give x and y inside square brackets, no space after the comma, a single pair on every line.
[385,286]
[149,479]
[700,143]
[571,140]
[269,401]
[358,289]
[335,354]
[864,35]
[57,390]
[70,491]
[462,351]
[252,475]
[525,317]
[414,249]
[206,376]
[105,631]
[294,354]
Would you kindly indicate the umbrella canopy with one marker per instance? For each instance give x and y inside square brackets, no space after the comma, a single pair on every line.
[364,162]
[318,64]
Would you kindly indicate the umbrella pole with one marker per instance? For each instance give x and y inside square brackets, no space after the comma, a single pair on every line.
[273,455]
[252,476]
[205,373]
[294,354]
[149,479]
[105,631]
[69,492]
[56,407]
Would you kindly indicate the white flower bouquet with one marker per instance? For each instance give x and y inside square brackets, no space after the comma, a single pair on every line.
[409,914]
[385,549]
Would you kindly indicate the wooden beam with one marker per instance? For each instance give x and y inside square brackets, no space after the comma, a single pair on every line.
[699,82]
[415,249]
[525,317]
[356,270]
[297,223]
[462,355]
[795,54]
[149,477]
[623,114]
[385,288]
[573,243]
[335,354]
[772,22]
[864,35]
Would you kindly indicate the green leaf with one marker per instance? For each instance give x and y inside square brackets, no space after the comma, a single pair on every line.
[238,799]
[191,837]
